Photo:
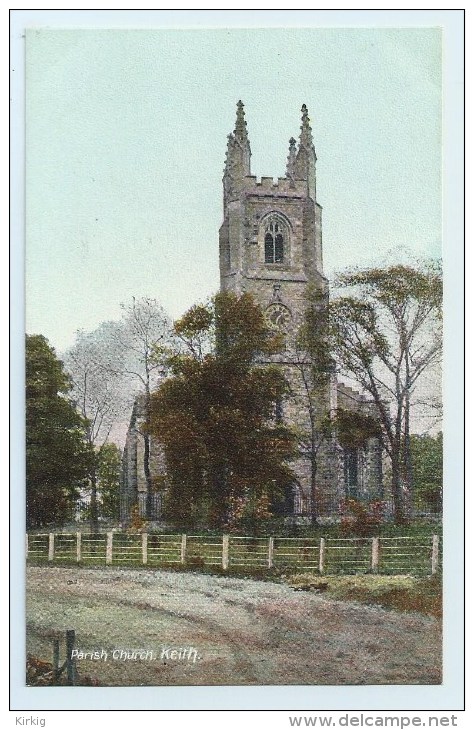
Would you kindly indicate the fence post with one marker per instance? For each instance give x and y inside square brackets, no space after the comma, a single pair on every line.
[183,548]
[322,551]
[56,660]
[78,546]
[435,554]
[70,662]
[375,554]
[51,546]
[270,551]
[225,552]
[108,548]
[144,548]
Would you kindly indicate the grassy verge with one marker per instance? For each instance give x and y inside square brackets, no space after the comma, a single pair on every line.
[401,592]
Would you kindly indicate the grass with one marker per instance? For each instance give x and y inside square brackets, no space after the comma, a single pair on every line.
[405,593]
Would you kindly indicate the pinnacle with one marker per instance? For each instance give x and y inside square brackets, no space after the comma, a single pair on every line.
[240,123]
[306,137]
[291,159]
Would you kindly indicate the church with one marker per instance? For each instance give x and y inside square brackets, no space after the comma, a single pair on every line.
[270,245]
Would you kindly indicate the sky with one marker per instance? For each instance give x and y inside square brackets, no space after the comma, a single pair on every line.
[125,145]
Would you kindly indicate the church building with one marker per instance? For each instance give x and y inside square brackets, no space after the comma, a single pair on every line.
[270,245]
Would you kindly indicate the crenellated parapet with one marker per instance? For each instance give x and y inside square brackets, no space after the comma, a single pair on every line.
[300,178]
[278,186]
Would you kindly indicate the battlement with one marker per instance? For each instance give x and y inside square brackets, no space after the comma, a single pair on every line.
[348,392]
[278,186]
[350,399]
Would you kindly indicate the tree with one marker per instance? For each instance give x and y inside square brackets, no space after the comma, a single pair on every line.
[226,456]
[427,461]
[386,334]
[108,478]
[134,344]
[98,393]
[57,454]
[314,363]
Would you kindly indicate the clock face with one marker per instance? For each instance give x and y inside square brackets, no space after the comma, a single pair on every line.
[277,316]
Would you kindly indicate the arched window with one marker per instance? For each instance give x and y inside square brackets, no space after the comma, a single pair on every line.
[351,472]
[276,233]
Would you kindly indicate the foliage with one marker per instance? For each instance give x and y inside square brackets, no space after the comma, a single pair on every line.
[400,593]
[143,331]
[225,458]
[58,457]
[137,523]
[98,394]
[360,519]
[314,363]
[108,481]
[354,429]
[385,334]
[427,465]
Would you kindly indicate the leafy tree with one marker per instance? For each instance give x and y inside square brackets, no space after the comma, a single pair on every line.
[386,334]
[226,457]
[58,457]
[314,364]
[98,393]
[108,477]
[427,461]
[133,346]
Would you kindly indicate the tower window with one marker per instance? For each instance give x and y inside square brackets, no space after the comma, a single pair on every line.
[275,234]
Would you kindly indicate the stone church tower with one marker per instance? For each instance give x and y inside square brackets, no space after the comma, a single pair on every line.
[270,245]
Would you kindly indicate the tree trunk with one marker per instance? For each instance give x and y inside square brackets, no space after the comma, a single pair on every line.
[407,462]
[94,504]
[397,491]
[148,479]
[146,456]
[314,496]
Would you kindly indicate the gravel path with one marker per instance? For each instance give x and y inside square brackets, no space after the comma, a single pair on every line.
[223,631]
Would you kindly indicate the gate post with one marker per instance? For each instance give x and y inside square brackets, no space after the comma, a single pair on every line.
[434,554]
[183,548]
[375,554]
[108,548]
[322,554]
[70,662]
[270,551]
[225,552]
[51,546]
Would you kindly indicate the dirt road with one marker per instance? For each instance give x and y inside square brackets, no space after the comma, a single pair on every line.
[193,629]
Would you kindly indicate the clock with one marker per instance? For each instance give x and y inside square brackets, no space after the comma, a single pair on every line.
[277,316]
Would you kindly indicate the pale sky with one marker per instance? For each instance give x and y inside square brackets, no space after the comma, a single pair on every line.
[126,139]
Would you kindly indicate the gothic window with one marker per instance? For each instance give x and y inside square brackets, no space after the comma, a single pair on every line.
[279,411]
[289,502]
[351,474]
[276,233]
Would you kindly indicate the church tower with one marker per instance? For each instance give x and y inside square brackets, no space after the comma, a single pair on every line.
[270,239]
[270,245]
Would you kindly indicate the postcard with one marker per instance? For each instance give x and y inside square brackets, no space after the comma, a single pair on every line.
[235,268]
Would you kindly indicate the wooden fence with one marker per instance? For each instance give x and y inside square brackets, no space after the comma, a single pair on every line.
[330,556]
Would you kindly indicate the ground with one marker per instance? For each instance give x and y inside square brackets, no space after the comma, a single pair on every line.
[244,631]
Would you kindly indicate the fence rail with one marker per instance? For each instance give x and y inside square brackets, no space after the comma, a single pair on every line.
[330,556]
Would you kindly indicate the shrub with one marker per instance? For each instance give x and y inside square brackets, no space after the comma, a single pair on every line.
[361,519]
